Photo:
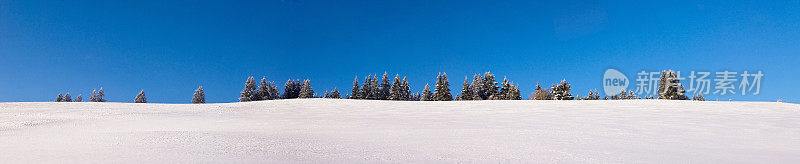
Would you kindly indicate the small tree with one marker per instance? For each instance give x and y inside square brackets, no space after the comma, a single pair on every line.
[354,94]
[561,91]
[60,98]
[335,94]
[541,94]
[199,96]
[366,89]
[406,90]
[67,98]
[443,89]
[140,98]
[306,91]
[79,98]
[669,87]
[97,96]
[396,93]
[385,87]
[466,90]
[249,93]
[426,94]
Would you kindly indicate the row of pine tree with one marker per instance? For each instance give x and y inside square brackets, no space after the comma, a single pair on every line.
[482,87]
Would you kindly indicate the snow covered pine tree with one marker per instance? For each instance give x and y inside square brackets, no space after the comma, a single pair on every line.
[140,98]
[249,92]
[354,94]
[199,96]
[60,98]
[396,93]
[67,98]
[97,96]
[561,91]
[426,94]
[442,89]
[466,90]
[306,91]
[669,87]
[79,98]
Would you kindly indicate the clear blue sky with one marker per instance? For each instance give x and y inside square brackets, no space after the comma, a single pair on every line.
[168,48]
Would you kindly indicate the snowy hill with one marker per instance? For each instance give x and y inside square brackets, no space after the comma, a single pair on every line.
[347,131]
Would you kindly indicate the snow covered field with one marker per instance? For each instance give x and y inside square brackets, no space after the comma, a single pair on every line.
[359,131]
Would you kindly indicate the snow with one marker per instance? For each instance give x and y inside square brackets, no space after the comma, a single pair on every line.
[363,131]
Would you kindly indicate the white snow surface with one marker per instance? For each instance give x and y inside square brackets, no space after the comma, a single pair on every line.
[364,131]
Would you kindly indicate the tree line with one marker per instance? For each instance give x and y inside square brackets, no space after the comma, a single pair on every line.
[482,87]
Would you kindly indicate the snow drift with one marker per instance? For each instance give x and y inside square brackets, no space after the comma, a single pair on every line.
[361,131]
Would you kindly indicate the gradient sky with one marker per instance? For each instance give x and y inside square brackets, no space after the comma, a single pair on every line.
[169,48]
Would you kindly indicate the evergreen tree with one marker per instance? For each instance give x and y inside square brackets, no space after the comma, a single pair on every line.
[140,98]
[396,93]
[505,90]
[335,94]
[355,91]
[515,93]
[60,98]
[669,87]
[489,85]
[326,95]
[406,91]
[67,98]
[478,89]
[306,91]
[249,93]
[292,89]
[426,94]
[79,98]
[97,96]
[561,91]
[366,89]
[466,91]
[199,96]
[541,94]
[443,89]
[264,90]
[385,88]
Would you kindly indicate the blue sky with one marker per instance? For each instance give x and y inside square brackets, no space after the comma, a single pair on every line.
[168,48]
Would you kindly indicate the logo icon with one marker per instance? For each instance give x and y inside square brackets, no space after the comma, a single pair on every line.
[614,82]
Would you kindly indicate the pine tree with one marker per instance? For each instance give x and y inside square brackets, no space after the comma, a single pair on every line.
[478,89]
[355,91]
[561,91]
[443,89]
[366,89]
[541,94]
[466,91]
[140,98]
[396,93]
[335,94]
[67,98]
[249,93]
[263,92]
[669,87]
[292,89]
[79,98]
[426,94]
[505,90]
[385,87]
[406,90]
[60,98]
[326,95]
[489,85]
[97,96]
[515,93]
[199,96]
[306,91]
